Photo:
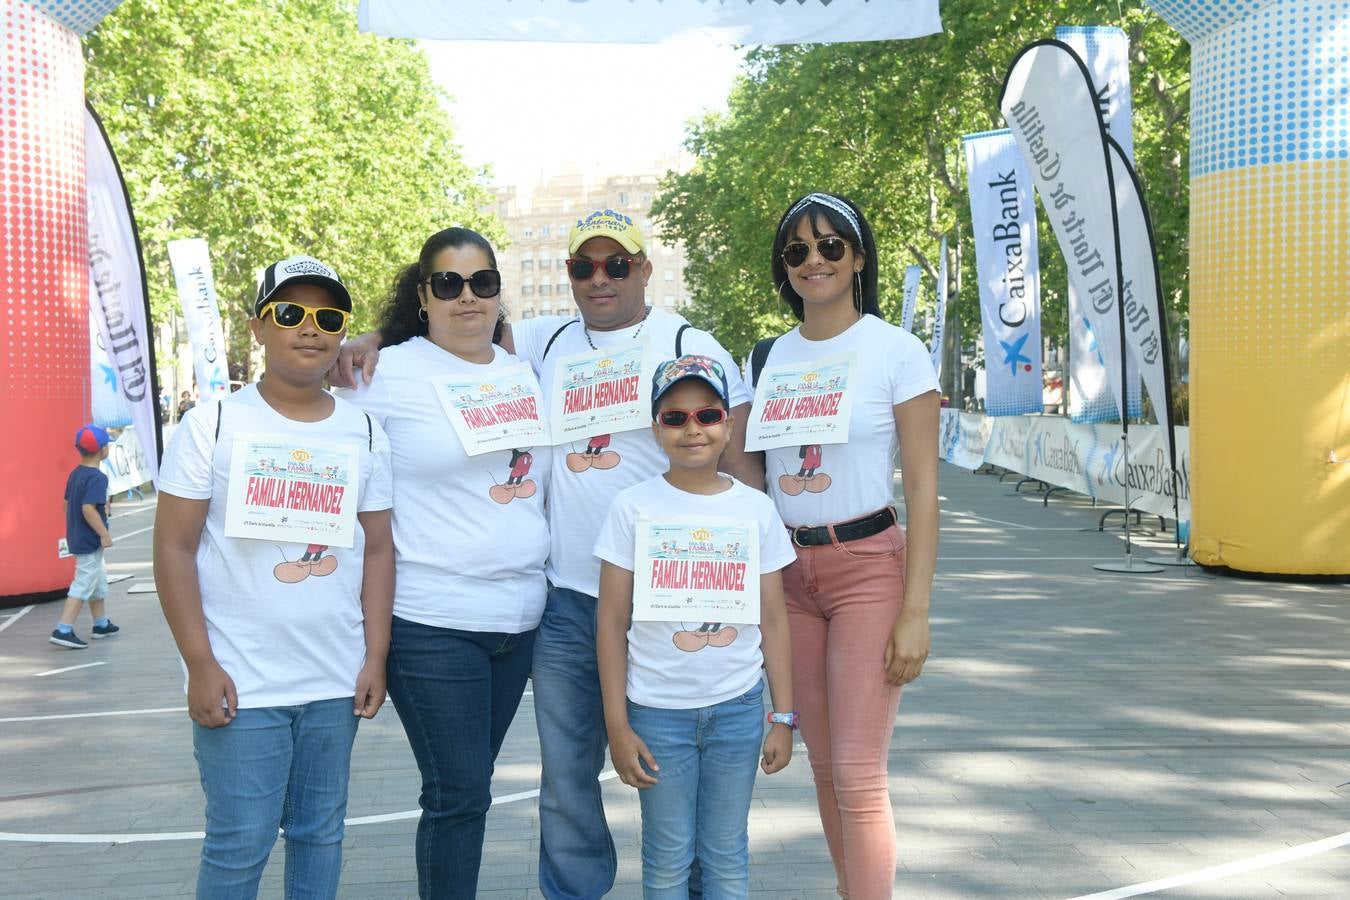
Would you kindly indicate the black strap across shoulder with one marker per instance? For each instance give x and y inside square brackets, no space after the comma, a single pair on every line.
[370,428]
[679,337]
[758,357]
[561,329]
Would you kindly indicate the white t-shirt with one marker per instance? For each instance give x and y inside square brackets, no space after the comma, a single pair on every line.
[283,644]
[660,674]
[894,366]
[578,500]
[466,560]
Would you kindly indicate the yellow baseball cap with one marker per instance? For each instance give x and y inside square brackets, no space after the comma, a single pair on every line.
[606,223]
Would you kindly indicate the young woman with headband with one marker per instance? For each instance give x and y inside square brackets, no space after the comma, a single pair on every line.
[858,593]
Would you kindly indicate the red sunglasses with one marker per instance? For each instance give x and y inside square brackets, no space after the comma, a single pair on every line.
[678,418]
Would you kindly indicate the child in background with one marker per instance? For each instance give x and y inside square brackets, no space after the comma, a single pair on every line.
[284,641]
[684,701]
[87,537]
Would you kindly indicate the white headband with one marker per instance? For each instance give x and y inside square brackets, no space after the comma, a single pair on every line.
[832,203]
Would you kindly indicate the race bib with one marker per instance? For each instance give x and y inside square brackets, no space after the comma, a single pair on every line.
[500,412]
[704,570]
[601,392]
[281,490]
[803,403]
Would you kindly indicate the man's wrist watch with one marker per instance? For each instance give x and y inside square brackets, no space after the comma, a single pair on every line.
[788,718]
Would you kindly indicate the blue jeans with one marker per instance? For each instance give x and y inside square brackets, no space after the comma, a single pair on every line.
[456,693]
[701,800]
[576,852]
[275,767]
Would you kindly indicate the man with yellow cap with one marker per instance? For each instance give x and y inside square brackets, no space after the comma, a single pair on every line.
[609,270]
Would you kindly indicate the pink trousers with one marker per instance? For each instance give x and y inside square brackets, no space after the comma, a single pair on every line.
[842,599]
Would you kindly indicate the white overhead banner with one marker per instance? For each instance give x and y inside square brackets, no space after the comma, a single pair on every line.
[117,297]
[913,276]
[1003,215]
[940,311]
[652,21]
[1049,103]
[201,310]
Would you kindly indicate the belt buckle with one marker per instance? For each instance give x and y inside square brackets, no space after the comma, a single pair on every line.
[796,542]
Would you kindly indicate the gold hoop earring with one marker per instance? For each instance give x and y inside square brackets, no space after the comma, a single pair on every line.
[422,313]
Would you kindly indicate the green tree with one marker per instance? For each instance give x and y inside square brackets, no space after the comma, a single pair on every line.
[270,128]
[881,123]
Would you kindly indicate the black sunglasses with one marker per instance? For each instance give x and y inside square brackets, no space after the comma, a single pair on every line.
[616,267]
[676,418]
[831,247]
[485,283]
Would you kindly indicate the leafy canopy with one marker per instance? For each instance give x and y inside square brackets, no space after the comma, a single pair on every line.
[271,128]
[881,123]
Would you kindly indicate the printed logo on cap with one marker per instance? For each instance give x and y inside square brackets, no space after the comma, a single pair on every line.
[308,267]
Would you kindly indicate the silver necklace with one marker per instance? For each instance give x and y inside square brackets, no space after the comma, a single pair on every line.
[647,311]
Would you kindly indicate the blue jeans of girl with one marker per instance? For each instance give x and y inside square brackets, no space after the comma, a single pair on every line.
[701,801]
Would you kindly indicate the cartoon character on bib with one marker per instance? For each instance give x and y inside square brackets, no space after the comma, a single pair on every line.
[807,478]
[596,456]
[516,484]
[312,562]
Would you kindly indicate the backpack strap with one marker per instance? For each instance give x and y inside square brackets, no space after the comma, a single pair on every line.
[561,329]
[758,357]
[679,339]
[219,407]
[370,435]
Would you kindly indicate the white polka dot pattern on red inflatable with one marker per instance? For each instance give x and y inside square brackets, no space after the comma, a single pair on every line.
[44,289]
[44,259]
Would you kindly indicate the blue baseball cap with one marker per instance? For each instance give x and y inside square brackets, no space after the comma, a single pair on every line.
[673,371]
[90,439]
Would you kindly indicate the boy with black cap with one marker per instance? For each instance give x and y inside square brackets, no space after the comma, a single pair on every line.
[86,538]
[274,564]
[683,700]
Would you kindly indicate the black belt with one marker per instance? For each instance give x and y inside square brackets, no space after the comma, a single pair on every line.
[852,530]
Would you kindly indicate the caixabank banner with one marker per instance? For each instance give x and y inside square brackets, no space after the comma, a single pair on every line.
[1087,459]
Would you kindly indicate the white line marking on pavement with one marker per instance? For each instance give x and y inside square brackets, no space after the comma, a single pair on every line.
[1024,558]
[93,715]
[17,616]
[1251,863]
[967,515]
[143,587]
[132,512]
[147,836]
[121,537]
[70,669]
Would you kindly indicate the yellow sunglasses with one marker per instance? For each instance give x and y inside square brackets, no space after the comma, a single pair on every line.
[290,315]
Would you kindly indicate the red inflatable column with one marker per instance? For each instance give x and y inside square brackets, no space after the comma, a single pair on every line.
[44,294]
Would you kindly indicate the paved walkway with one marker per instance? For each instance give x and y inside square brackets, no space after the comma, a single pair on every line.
[1074,733]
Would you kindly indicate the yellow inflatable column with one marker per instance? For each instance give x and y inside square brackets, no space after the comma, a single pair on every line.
[1270,282]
